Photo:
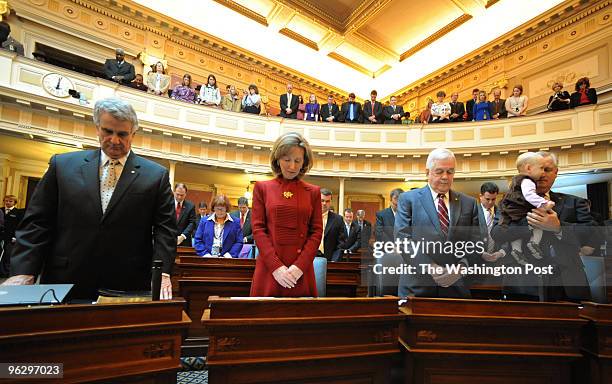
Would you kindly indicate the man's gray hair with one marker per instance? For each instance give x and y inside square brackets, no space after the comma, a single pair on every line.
[243,201]
[546,154]
[438,154]
[117,108]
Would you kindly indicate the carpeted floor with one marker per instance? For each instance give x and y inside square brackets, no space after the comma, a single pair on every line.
[192,377]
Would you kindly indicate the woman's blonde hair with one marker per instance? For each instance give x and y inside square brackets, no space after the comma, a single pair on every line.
[283,145]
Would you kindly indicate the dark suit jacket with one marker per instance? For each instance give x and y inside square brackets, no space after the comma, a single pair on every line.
[333,237]
[352,241]
[325,112]
[388,112]
[186,223]
[417,219]
[501,108]
[457,108]
[11,222]
[385,224]
[575,98]
[246,228]
[366,233]
[295,102]
[357,113]
[569,280]
[126,70]
[367,112]
[232,238]
[469,107]
[482,223]
[65,236]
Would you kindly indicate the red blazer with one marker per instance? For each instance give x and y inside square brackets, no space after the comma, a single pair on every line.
[287,229]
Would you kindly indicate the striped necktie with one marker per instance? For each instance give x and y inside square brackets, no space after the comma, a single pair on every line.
[443,214]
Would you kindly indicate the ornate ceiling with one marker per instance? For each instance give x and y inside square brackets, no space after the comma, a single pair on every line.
[357,45]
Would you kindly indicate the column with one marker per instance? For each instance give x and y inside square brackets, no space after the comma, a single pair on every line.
[341,198]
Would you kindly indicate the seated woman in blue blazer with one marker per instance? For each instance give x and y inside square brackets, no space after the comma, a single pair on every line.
[218,235]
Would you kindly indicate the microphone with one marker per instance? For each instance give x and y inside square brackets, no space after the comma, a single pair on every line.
[156,279]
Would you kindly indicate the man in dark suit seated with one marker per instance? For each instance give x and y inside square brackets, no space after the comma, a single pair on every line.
[333,232]
[469,105]
[564,228]
[243,216]
[457,108]
[350,111]
[372,110]
[385,219]
[12,217]
[289,103]
[366,229]
[185,216]
[498,106]
[329,111]
[352,233]
[118,69]
[442,221]
[98,218]
[393,113]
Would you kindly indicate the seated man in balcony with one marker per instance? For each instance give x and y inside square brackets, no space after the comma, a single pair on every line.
[393,113]
[118,69]
[329,111]
[351,111]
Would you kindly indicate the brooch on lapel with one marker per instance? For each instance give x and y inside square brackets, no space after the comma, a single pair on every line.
[287,195]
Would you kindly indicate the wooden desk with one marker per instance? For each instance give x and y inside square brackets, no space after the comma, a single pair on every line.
[477,341]
[301,340]
[196,278]
[119,343]
[598,341]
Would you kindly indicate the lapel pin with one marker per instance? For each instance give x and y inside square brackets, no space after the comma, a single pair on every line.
[287,195]
[133,171]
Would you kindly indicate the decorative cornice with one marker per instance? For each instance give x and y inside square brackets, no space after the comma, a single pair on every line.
[435,36]
[349,63]
[299,38]
[244,11]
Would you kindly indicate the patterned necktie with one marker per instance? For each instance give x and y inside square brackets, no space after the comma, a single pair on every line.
[490,242]
[108,181]
[443,214]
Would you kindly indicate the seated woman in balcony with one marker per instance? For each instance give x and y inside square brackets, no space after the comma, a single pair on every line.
[425,117]
[301,108]
[312,109]
[157,80]
[559,100]
[209,92]
[440,111]
[516,105]
[482,109]
[251,102]
[184,92]
[218,235]
[231,101]
[584,94]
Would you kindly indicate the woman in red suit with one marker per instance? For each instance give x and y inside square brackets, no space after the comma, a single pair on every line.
[287,223]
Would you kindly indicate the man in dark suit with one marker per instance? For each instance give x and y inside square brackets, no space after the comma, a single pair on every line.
[498,106]
[352,232]
[372,110]
[350,111]
[243,216]
[437,215]
[469,105]
[393,113]
[385,219]
[185,216]
[202,212]
[333,231]
[564,227]
[329,111]
[289,103]
[98,218]
[12,218]
[457,108]
[366,229]
[118,69]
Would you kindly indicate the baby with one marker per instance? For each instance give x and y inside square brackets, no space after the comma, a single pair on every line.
[520,200]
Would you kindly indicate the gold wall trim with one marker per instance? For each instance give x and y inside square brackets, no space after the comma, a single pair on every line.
[299,38]
[435,36]
[491,3]
[244,11]
[349,63]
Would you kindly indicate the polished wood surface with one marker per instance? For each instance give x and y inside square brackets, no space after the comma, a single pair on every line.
[119,343]
[331,340]
[196,278]
[598,341]
[458,341]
